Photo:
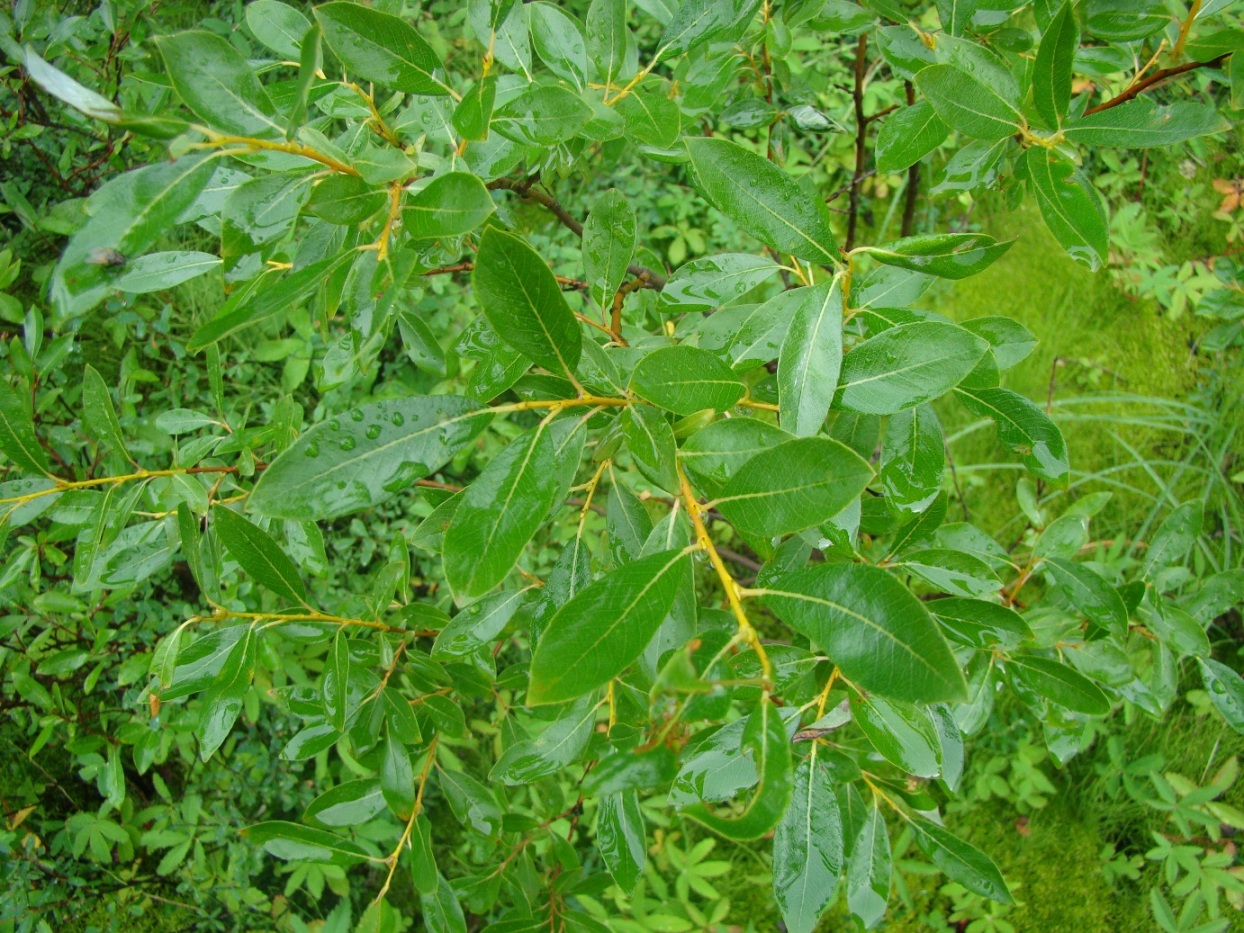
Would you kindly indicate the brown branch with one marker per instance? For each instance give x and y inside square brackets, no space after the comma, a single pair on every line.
[913,180]
[861,139]
[1157,77]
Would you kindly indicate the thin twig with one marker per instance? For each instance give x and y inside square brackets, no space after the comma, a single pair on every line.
[1157,77]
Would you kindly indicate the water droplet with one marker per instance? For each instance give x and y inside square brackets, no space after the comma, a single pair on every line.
[313,450]
[373,432]
[347,443]
[398,419]
[356,415]
[334,425]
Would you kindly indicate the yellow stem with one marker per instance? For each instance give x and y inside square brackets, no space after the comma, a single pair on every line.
[251,144]
[1178,51]
[384,128]
[392,858]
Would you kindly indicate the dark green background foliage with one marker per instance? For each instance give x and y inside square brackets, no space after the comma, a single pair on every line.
[718,465]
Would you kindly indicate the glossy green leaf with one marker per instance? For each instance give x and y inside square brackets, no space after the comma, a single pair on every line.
[451,205]
[558,41]
[350,803]
[441,912]
[360,458]
[650,439]
[868,870]
[902,732]
[628,524]
[1226,691]
[98,413]
[714,454]
[765,742]
[507,504]
[477,625]
[158,271]
[793,486]
[379,47]
[1174,539]
[908,136]
[222,702]
[1009,341]
[1024,428]
[397,779]
[951,571]
[127,215]
[1091,593]
[1141,124]
[947,255]
[762,199]
[906,366]
[293,842]
[962,862]
[423,871]
[652,118]
[697,21]
[542,115]
[979,623]
[1061,684]
[259,212]
[685,379]
[17,433]
[1051,70]
[913,458]
[811,357]
[278,26]
[345,199]
[714,281]
[215,81]
[259,555]
[872,627]
[607,38]
[609,239]
[524,304]
[473,114]
[808,848]
[604,628]
[620,837]
[966,104]
[561,743]
[1070,205]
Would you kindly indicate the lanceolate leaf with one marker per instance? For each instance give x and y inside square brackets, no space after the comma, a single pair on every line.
[542,116]
[604,628]
[293,842]
[872,627]
[507,504]
[1023,428]
[762,199]
[811,357]
[650,439]
[1226,691]
[215,81]
[902,732]
[913,458]
[17,433]
[908,136]
[869,869]
[793,486]
[450,205]
[1051,70]
[948,255]
[607,38]
[714,454]
[698,21]
[1091,593]
[1061,684]
[1140,124]
[278,26]
[907,366]
[808,847]
[620,837]
[524,304]
[962,862]
[259,555]
[379,47]
[561,742]
[685,380]
[1071,206]
[609,238]
[221,704]
[968,105]
[361,457]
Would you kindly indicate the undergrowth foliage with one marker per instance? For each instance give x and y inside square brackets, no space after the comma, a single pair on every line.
[684,545]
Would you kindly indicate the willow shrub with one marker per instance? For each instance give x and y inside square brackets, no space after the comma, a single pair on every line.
[762,615]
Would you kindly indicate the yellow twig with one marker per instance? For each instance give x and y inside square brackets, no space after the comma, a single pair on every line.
[252,144]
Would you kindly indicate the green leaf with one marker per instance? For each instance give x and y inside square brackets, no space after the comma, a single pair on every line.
[793,486]
[222,702]
[811,356]
[968,105]
[951,571]
[1175,538]
[714,454]
[1023,428]
[259,555]
[764,740]
[344,199]
[609,239]
[397,779]
[913,458]
[808,848]
[1091,593]
[907,366]
[650,439]
[902,732]
[360,458]
[521,299]
[451,205]
[473,114]
[1226,691]
[652,118]
[423,871]
[1009,341]
[127,215]
[558,40]
[158,271]
[713,281]
[956,15]
[278,26]
[507,504]
[868,870]
[1141,124]
[440,911]
[981,624]
[909,135]
[962,862]
[872,627]
[948,255]
[1051,71]
[607,38]
[351,803]
[1071,206]
[604,628]
[561,743]
[477,625]
[698,21]
[216,82]
[17,433]
[296,843]
[260,211]
[620,837]
[685,379]
[762,199]
[1060,684]
[542,115]
[378,47]
[628,524]
[335,684]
